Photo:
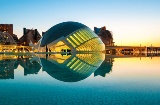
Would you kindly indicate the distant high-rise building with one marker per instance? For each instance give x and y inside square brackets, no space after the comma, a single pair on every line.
[29,35]
[105,35]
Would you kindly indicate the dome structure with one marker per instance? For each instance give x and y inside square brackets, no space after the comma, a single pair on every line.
[70,37]
[60,30]
[6,38]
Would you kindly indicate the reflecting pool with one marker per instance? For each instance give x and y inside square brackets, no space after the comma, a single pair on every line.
[93,78]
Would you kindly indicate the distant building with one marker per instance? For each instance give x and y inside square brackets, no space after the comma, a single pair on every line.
[29,35]
[105,35]
[6,39]
[7,28]
[15,38]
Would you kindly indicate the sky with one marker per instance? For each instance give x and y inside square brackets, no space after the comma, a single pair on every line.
[132,22]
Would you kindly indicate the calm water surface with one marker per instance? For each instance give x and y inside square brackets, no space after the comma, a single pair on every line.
[79,79]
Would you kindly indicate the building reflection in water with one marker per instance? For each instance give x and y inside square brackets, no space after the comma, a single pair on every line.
[63,67]
[29,67]
[71,68]
[106,67]
[9,62]
[7,67]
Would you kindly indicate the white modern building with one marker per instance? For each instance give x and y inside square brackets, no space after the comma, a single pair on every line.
[70,37]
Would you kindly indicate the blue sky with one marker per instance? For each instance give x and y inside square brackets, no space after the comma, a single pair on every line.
[132,22]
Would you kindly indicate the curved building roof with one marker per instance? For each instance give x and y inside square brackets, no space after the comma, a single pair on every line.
[6,38]
[59,30]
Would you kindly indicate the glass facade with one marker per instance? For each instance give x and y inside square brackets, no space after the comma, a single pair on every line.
[85,39]
[81,40]
[70,37]
[59,47]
